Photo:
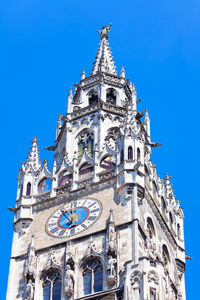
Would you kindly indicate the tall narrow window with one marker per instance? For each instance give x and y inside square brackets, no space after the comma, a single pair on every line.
[165,254]
[163,205]
[152,294]
[122,155]
[138,155]
[92,277]
[179,231]
[51,285]
[28,189]
[150,228]
[93,97]
[21,190]
[171,218]
[130,153]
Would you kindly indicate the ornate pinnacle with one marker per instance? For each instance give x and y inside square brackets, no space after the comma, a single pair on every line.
[104,31]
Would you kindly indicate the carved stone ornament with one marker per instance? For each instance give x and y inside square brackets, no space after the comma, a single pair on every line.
[111,270]
[30,287]
[69,281]
[91,248]
[51,259]
[111,236]
[30,267]
[153,277]
[136,278]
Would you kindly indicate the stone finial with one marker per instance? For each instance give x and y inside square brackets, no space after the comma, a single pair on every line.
[147,123]
[83,74]
[122,73]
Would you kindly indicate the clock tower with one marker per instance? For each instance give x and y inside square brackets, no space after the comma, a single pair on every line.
[101,224]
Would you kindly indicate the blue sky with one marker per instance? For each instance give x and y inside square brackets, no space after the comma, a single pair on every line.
[45,45]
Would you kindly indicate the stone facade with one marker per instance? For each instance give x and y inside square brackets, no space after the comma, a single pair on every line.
[102,152]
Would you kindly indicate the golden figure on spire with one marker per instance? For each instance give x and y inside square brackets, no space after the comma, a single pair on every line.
[104,31]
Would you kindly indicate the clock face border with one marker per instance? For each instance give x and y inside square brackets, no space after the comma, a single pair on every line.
[63,206]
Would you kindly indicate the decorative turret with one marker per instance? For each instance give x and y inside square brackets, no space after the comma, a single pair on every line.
[33,157]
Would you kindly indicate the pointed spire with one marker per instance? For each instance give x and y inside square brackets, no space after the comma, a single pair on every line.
[58,125]
[33,157]
[147,123]
[122,73]
[70,99]
[83,74]
[104,59]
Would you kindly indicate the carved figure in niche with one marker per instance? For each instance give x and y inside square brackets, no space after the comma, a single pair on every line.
[91,248]
[153,277]
[31,261]
[69,281]
[111,138]
[29,290]
[111,270]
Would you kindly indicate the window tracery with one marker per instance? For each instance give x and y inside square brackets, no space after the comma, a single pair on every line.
[51,285]
[93,97]
[92,276]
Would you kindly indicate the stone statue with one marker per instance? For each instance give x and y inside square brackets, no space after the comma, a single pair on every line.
[111,270]
[104,31]
[69,281]
[29,290]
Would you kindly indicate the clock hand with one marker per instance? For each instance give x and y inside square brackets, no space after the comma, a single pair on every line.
[64,214]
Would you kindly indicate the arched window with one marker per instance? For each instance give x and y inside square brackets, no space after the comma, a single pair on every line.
[150,228]
[111,96]
[171,218]
[44,185]
[93,97]
[165,254]
[163,205]
[64,178]
[92,276]
[107,163]
[121,155]
[130,153]
[138,155]
[155,190]
[87,170]
[21,190]
[28,189]
[51,285]
[179,231]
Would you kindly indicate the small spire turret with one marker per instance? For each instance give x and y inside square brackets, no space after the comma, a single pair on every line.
[122,73]
[33,158]
[83,74]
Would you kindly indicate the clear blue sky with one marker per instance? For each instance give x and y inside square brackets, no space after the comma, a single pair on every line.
[45,45]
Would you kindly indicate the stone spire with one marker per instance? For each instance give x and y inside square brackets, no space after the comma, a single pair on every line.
[33,158]
[104,59]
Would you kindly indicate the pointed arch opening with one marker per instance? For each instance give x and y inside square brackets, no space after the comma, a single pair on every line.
[93,97]
[165,255]
[138,155]
[86,171]
[51,284]
[121,155]
[130,153]
[150,228]
[92,275]
[111,96]
[85,143]
[64,178]
[28,189]
[44,185]
[107,163]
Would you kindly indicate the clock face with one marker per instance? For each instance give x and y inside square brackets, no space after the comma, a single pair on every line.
[73,218]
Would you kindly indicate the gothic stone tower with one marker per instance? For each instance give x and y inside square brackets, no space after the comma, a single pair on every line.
[102,224]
